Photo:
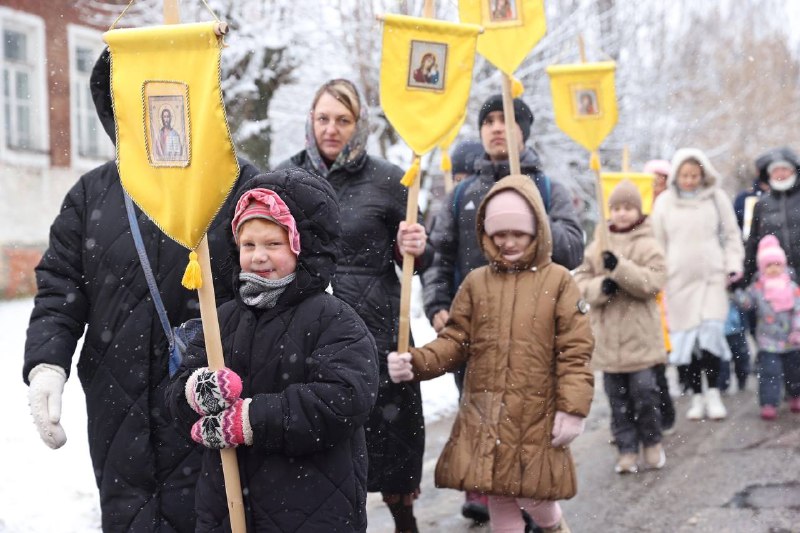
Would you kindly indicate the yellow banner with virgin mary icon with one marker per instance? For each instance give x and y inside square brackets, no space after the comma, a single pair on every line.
[511,28]
[644,182]
[174,151]
[426,75]
[584,101]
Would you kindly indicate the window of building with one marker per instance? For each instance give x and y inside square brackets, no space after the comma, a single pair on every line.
[23,87]
[90,143]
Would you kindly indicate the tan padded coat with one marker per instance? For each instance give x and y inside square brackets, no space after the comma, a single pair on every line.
[627,326]
[527,344]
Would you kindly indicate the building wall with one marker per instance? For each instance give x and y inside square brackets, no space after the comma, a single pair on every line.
[34,180]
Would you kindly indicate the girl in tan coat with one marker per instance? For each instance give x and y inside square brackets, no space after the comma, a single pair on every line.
[520,325]
[621,286]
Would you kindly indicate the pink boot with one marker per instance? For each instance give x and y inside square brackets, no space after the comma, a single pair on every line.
[476,507]
[769,412]
[794,404]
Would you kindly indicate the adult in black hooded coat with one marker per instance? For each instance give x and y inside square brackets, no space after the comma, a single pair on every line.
[373,210]
[90,277]
[778,211]
[309,366]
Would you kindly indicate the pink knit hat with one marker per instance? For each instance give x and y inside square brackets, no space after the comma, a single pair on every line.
[657,166]
[266,204]
[509,211]
[769,252]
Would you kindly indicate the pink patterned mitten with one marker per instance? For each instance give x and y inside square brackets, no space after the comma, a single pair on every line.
[210,391]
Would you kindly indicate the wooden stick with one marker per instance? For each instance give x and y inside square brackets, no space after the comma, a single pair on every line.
[511,121]
[626,160]
[448,181]
[216,361]
[208,315]
[602,235]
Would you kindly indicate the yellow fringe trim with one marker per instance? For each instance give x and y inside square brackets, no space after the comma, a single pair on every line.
[192,278]
[446,164]
[411,173]
[516,88]
[594,162]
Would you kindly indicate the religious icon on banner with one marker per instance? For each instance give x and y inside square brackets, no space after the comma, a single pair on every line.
[585,102]
[427,65]
[500,13]
[167,123]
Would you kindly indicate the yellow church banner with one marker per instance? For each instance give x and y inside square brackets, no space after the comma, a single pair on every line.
[584,101]
[511,28]
[174,151]
[426,75]
[643,182]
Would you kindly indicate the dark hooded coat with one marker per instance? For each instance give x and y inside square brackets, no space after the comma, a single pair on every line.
[373,203]
[310,366]
[90,279]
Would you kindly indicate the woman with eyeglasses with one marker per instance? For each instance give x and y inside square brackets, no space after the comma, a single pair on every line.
[373,240]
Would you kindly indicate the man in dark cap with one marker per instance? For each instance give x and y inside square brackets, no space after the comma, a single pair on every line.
[463,157]
[453,234]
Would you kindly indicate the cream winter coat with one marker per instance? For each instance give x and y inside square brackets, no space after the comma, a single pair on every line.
[702,243]
[626,326]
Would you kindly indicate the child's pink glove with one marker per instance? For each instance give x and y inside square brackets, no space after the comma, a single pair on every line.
[210,391]
[227,429]
[400,367]
[794,338]
[566,428]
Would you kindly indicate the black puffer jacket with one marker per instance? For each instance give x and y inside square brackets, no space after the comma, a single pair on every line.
[776,213]
[90,277]
[373,202]
[456,241]
[310,366]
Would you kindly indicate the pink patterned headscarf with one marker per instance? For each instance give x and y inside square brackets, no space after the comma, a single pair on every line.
[264,203]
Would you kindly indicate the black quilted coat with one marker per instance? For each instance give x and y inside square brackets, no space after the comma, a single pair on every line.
[310,366]
[373,202]
[90,277]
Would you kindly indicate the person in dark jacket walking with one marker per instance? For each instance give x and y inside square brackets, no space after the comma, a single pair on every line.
[777,212]
[454,235]
[301,372]
[374,237]
[90,277]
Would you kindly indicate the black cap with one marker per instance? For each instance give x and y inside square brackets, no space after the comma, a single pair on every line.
[464,154]
[522,113]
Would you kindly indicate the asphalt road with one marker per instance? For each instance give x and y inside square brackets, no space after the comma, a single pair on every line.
[737,475]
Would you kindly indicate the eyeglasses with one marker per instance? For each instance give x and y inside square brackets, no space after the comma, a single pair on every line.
[339,122]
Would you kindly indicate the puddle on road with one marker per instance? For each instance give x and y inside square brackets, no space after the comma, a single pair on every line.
[777,495]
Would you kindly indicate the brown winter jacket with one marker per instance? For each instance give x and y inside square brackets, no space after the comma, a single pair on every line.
[627,326]
[527,347]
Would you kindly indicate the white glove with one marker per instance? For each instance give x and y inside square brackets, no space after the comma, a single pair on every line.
[44,397]
[566,428]
[400,366]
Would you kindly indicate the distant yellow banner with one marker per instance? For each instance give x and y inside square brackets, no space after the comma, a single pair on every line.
[584,101]
[511,28]
[174,151]
[644,182]
[426,75]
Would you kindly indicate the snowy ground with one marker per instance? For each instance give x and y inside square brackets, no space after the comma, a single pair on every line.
[44,490]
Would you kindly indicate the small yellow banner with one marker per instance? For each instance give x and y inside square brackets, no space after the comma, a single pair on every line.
[511,28]
[644,182]
[584,101]
[426,75]
[174,151]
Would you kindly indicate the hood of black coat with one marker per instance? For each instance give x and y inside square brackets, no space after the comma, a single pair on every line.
[100,85]
[313,204]
[775,154]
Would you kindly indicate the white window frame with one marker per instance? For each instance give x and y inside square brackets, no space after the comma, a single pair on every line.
[88,38]
[34,28]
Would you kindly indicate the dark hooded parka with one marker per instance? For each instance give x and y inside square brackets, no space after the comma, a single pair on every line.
[776,213]
[373,203]
[310,366]
[90,278]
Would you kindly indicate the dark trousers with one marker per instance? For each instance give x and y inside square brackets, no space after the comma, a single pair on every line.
[635,408]
[741,361]
[667,407]
[774,368]
[691,373]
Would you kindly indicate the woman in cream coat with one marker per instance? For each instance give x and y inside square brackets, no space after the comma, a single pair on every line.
[694,221]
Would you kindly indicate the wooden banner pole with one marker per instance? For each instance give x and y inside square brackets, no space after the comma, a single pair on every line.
[208,314]
[511,121]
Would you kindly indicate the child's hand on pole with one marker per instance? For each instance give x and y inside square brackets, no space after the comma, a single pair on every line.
[400,367]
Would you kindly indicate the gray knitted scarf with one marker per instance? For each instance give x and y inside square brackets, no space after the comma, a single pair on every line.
[261,292]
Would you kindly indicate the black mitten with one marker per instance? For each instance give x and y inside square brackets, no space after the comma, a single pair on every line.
[609,287]
[609,261]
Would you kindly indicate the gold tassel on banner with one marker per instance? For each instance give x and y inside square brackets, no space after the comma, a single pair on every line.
[516,88]
[192,278]
[446,165]
[411,173]
[594,162]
